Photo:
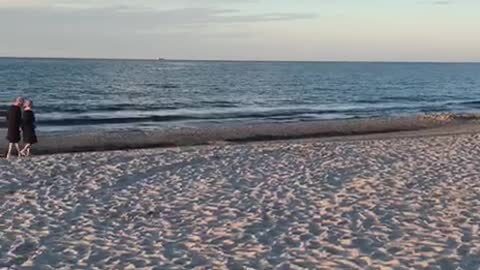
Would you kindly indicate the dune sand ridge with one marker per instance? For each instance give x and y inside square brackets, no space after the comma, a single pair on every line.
[373,204]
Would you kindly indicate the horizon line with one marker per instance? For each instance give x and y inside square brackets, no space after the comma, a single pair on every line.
[238,60]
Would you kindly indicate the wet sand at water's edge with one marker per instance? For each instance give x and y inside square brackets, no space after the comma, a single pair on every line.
[402,203]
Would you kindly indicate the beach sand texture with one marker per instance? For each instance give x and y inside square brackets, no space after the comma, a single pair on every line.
[375,204]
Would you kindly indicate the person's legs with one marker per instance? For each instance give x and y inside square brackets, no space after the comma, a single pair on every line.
[10,146]
[26,150]
[28,146]
[17,147]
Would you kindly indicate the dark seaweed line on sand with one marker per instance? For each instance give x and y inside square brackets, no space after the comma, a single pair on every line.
[266,137]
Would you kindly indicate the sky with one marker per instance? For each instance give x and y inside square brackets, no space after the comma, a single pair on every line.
[303,30]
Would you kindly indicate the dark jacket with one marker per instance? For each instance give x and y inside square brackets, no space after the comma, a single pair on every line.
[14,121]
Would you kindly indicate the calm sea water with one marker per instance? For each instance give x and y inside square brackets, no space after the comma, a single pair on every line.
[112,94]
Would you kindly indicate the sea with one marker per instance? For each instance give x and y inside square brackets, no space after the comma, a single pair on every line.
[75,95]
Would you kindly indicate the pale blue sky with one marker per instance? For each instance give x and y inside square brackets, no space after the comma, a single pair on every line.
[366,30]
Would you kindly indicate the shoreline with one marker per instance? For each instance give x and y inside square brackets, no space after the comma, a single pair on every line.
[357,129]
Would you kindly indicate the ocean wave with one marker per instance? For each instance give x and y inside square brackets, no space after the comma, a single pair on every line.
[467,103]
[160,85]
[227,111]
[268,115]
[86,120]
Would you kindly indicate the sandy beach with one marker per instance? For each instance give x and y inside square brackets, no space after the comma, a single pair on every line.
[401,203]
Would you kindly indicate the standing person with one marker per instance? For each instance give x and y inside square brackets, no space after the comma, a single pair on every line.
[14,121]
[28,128]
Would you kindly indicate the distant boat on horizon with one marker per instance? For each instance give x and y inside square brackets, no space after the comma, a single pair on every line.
[161,59]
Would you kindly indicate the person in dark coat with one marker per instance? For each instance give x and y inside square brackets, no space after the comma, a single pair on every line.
[14,121]
[28,128]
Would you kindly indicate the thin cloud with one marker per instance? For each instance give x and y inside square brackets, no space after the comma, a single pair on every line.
[442,2]
[135,18]
[436,2]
